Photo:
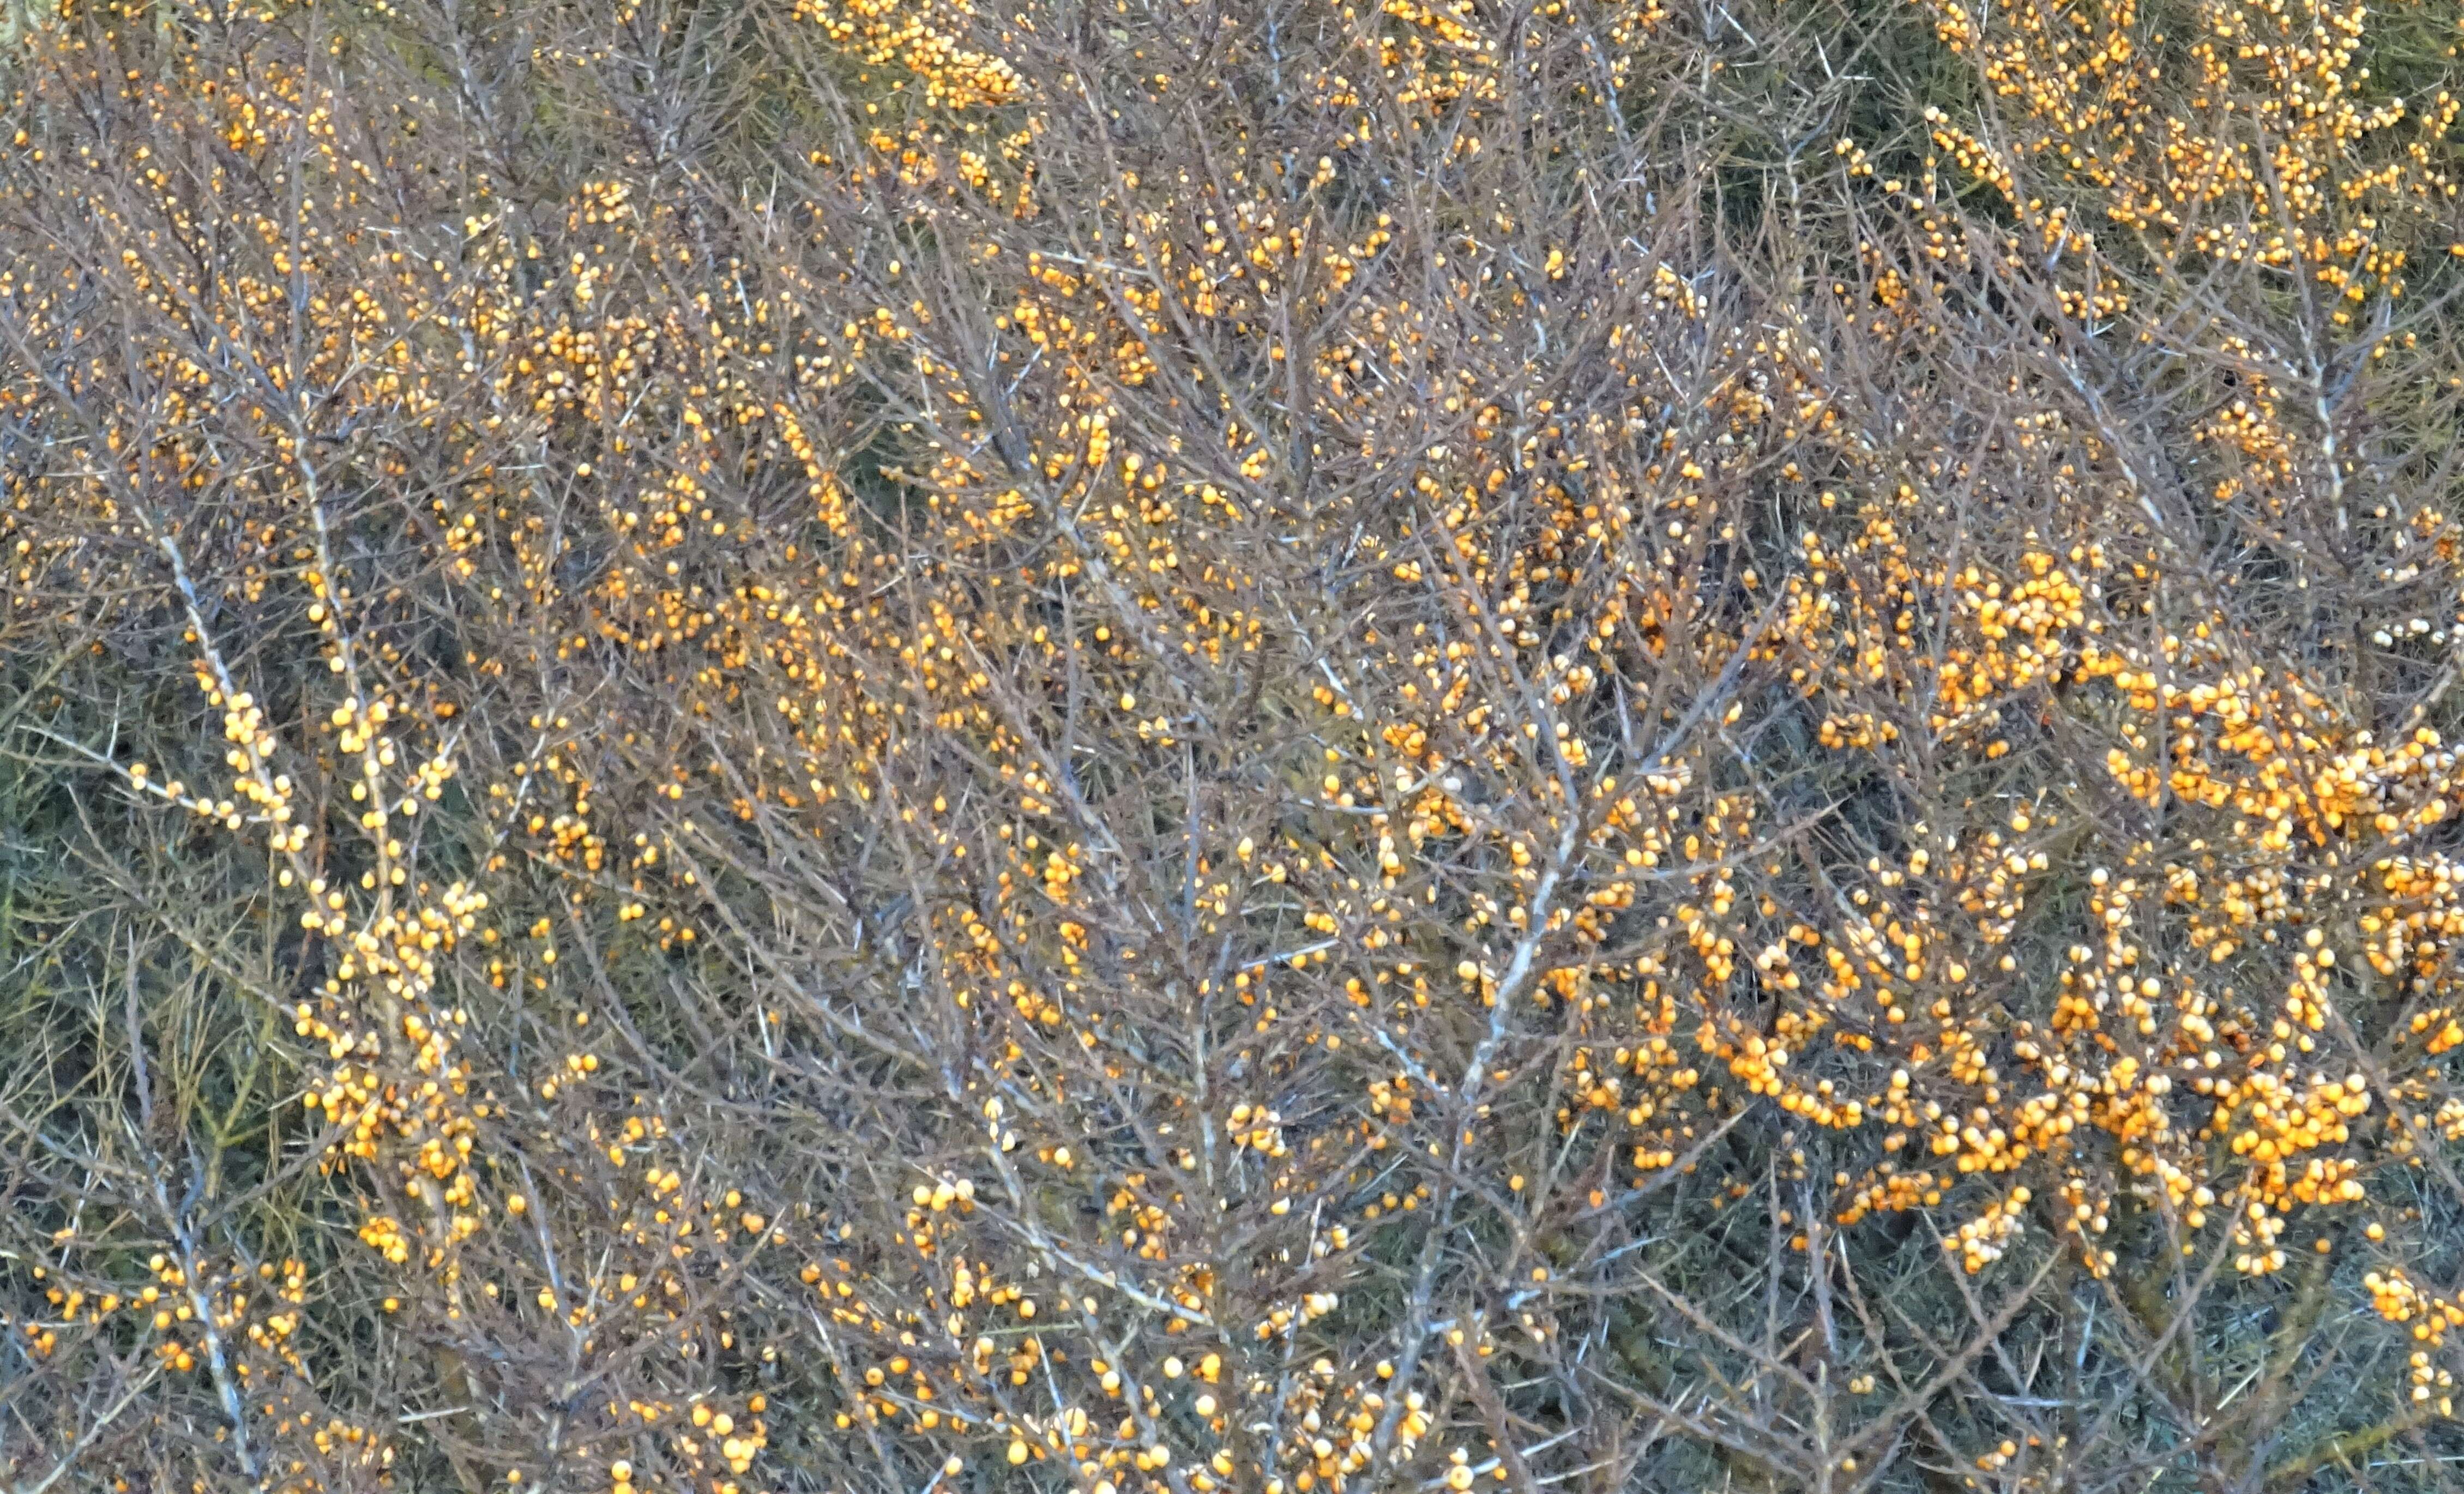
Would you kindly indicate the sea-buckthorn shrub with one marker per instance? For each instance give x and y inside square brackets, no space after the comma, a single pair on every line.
[1317,746]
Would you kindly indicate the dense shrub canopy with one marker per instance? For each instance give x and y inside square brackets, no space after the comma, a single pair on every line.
[1300,745]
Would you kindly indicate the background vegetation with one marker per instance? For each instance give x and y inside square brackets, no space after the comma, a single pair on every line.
[906,744]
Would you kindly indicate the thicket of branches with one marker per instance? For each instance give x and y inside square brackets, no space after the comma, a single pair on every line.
[1180,745]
